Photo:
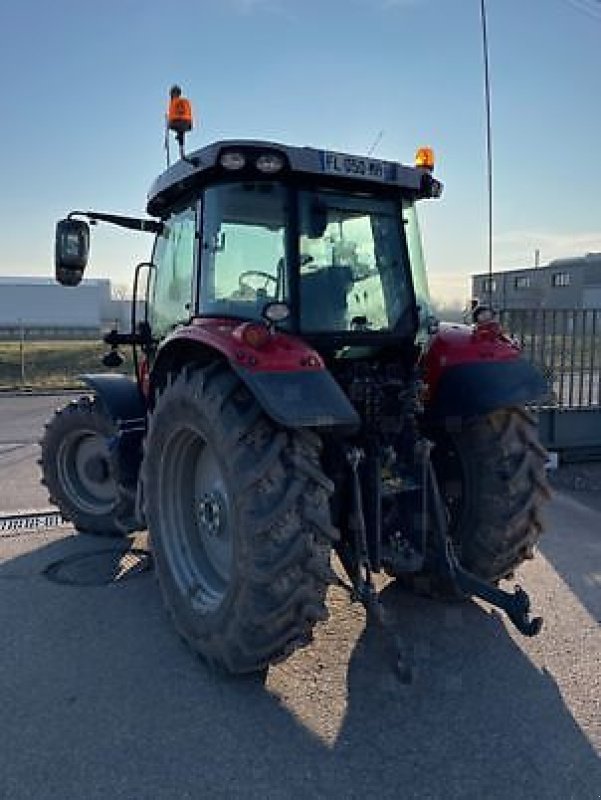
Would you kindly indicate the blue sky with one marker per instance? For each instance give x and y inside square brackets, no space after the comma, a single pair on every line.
[84,88]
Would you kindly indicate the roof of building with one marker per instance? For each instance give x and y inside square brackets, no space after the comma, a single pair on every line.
[28,280]
[558,263]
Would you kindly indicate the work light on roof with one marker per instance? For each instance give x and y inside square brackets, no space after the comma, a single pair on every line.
[269,163]
[232,160]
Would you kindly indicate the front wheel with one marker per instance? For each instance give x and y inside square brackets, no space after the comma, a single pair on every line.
[81,472]
[239,520]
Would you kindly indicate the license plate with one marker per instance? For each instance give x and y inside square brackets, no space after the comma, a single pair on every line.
[357,167]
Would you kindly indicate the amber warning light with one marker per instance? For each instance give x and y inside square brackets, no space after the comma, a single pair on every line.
[179,120]
[425,158]
[179,116]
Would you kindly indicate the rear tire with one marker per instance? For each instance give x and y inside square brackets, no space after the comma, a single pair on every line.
[80,470]
[238,516]
[492,478]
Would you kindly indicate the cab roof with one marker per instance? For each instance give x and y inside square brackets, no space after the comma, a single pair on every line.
[203,167]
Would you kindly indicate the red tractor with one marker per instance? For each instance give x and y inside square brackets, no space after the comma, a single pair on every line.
[294,395]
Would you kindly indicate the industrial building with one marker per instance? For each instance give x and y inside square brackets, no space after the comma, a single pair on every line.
[41,305]
[567,283]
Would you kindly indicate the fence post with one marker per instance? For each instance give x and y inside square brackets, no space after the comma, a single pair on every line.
[22,352]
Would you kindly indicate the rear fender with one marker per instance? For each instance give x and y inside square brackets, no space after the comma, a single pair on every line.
[119,396]
[470,371]
[287,377]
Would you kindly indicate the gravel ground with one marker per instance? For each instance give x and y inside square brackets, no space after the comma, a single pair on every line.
[99,699]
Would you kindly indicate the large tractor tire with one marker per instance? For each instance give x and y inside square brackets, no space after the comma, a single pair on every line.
[239,521]
[81,473]
[492,478]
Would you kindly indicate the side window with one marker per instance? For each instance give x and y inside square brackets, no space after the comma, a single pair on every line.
[418,265]
[171,293]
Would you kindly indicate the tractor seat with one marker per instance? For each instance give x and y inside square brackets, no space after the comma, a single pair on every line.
[323,296]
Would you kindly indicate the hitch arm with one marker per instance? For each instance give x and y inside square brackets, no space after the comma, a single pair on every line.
[355,558]
[516,605]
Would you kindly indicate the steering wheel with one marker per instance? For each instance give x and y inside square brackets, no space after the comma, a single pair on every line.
[257,274]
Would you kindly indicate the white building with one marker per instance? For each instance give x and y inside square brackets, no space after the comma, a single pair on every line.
[44,305]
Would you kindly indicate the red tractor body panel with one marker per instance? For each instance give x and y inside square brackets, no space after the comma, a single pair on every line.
[287,377]
[471,371]
[465,344]
[279,352]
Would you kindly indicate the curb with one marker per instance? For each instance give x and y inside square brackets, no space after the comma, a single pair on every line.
[40,392]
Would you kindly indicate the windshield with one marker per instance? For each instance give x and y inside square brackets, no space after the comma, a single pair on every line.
[244,249]
[353,273]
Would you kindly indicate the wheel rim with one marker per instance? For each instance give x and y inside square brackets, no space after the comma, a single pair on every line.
[195,519]
[84,470]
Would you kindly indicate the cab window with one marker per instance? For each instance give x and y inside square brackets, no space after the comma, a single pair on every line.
[174,255]
[244,249]
[354,274]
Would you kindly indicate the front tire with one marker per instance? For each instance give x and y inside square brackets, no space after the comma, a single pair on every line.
[80,470]
[238,517]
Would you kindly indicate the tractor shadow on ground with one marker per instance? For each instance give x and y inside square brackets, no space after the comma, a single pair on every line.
[100,699]
[463,712]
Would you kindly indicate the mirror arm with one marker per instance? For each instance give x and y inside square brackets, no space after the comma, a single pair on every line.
[133,223]
[114,338]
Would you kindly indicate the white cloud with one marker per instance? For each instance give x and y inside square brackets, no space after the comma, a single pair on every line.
[516,248]
[278,7]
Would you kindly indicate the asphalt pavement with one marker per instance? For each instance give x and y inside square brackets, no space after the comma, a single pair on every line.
[100,699]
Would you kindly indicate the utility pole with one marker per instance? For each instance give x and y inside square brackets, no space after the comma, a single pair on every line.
[488,144]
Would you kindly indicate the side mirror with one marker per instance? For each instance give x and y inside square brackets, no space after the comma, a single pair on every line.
[72,247]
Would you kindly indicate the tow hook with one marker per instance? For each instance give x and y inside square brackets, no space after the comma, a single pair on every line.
[515,604]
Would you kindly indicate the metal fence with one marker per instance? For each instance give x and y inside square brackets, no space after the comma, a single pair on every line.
[566,346]
[48,333]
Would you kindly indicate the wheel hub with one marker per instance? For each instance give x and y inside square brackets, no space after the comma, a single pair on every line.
[83,464]
[96,469]
[211,513]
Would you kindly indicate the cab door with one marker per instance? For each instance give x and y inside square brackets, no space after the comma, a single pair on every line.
[171,284]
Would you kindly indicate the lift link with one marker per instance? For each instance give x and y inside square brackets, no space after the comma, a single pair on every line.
[364,589]
[516,605]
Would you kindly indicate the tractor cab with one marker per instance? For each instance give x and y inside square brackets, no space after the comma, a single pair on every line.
[332,239]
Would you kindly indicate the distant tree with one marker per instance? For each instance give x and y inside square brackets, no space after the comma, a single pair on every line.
[120,291]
